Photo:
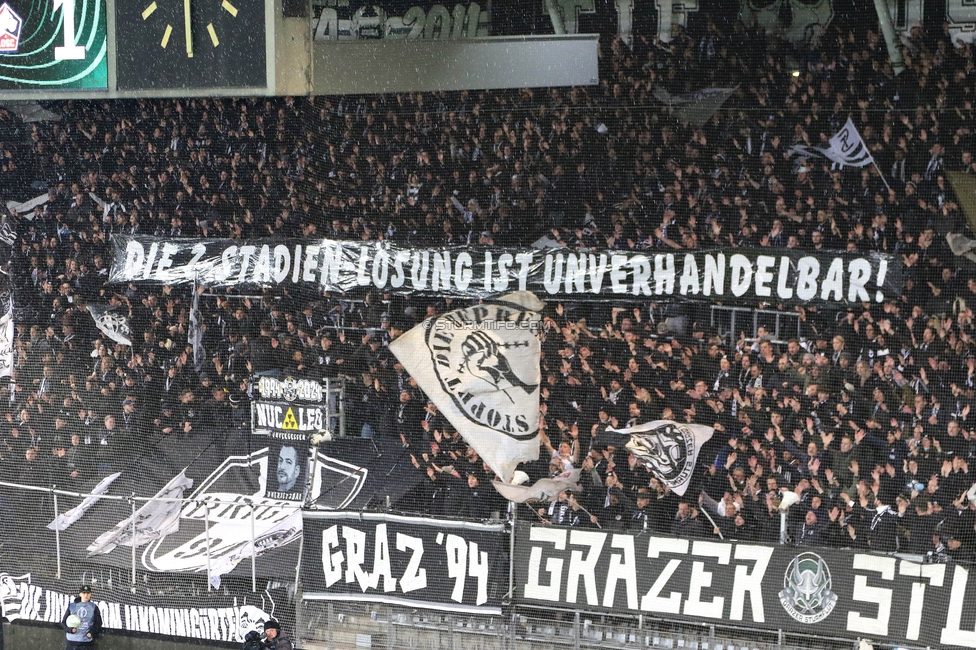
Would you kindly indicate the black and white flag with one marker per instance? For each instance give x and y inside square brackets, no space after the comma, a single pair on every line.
[7,334]
[696,107]
[847,148]
[669,449]
[480,366]
[111,323]
[156,519]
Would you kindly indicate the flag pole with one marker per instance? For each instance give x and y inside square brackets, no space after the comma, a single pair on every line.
[880,174]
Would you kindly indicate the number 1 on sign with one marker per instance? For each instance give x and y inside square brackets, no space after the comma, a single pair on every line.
[69,51]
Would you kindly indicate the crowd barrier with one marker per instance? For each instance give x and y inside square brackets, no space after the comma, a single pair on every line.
[496,571]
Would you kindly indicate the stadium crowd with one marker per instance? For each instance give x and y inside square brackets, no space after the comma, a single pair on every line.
[865,413]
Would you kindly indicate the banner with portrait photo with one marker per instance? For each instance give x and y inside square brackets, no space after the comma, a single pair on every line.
[289,452]
[286,414]
[276,426]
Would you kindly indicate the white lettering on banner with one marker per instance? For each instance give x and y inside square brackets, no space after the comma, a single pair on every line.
[347,265]
[936,576]
[952,634]
[290,389]
[583,565]
[876,607]
[880,596]
[689,282]
[554,565]
[478,568]
[297,418]
[331,562]
[652,600]
[414,576]
[464,560]
[623,566]
[764,276]
[355,556]
[21,600]
[749,582]
[381,561]
[700,579]
[457,563]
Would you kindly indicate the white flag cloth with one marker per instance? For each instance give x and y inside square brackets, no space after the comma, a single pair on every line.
[28,206]
[111,323]
[7,334]
[669,449]
[69,517]
[542,489]
[154,520]
[266,538]
[846,149]
[480,366]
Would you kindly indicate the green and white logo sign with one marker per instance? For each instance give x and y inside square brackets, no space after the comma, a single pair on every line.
[806,594]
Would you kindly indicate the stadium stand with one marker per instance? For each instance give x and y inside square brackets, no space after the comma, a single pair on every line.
[865,413]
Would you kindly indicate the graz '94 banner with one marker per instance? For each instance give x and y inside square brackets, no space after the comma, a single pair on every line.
[824,592]
[765,275]
[377,557]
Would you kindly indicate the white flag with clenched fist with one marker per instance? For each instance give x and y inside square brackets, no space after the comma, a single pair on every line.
[480,366]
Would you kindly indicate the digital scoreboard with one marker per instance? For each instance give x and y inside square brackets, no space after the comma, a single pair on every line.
[53,44]
[52,48]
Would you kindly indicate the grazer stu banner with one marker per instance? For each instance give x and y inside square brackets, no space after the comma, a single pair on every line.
[826,592]
[375,557]
[768,275]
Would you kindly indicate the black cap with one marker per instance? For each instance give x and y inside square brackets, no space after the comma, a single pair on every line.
[84,589]
[272,625]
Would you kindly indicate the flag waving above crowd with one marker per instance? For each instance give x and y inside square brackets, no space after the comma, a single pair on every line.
[480,366]
[846,148]
[111,323]
[669,449]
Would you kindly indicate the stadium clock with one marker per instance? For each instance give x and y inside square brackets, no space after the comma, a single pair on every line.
[190,44]
[49,45]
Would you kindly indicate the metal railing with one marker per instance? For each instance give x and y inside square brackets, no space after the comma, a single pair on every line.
[730,321]
[331,625]
[135,503]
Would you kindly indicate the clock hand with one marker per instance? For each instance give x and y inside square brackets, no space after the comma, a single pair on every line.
[186,27]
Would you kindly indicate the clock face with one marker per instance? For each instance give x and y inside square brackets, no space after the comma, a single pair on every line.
[190,44]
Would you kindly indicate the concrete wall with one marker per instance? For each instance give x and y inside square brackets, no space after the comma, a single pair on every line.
[401,65]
